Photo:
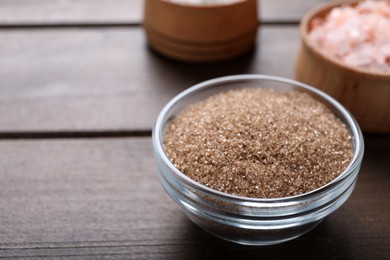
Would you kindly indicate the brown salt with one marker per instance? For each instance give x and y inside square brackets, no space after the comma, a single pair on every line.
[259,143]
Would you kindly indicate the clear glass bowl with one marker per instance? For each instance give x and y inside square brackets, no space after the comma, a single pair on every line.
[253,221]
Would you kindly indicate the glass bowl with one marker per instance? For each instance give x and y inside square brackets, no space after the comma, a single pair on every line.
[253,221]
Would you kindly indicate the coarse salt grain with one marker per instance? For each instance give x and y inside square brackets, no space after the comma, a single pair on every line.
[259,143]
[359,36]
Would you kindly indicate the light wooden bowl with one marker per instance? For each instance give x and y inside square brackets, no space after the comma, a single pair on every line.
[200,33]
[364,93]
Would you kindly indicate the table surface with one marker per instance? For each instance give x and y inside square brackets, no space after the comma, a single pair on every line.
[79,93]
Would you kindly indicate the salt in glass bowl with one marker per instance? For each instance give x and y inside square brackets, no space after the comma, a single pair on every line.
[254,221]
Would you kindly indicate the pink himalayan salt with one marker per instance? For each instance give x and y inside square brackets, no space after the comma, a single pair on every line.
[359,36]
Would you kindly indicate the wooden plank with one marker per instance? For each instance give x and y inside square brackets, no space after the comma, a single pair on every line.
[88,199]
[286,11]
[47,12]
[107,79]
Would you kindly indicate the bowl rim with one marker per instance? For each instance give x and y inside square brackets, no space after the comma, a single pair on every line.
[356,137]
[304,31]
[203,7]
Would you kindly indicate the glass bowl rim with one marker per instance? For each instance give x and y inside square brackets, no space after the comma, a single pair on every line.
[350,123]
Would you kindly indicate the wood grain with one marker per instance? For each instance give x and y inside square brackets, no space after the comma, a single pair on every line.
[60,12]
[100,198]
[107,79]
[89,199]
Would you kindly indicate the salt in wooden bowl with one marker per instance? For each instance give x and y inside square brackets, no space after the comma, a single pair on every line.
[200,33]
[366,94]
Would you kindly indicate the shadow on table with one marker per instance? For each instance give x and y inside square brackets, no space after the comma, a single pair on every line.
[317,244]
[377,150]
[192,73]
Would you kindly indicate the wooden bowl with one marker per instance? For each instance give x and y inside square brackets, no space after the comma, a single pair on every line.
[200,33]
[364,93]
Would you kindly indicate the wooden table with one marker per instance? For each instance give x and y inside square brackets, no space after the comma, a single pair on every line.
[79,92]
